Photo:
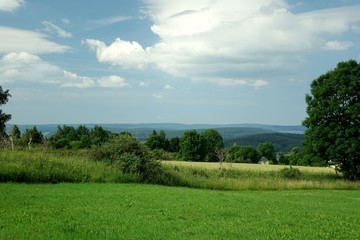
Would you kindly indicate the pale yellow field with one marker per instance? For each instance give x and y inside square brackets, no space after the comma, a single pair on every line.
[245,166]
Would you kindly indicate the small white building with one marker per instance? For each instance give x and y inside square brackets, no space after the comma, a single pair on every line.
[264,160]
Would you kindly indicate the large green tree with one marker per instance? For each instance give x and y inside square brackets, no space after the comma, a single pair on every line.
[242,154]
[267,150]
[4,98]
[158,141]
[213,142]
[333,122]
[192,147]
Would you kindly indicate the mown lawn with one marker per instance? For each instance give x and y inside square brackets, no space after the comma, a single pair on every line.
[135,211]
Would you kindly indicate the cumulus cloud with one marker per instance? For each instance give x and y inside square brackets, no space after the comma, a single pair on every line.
[65,20]
[19,40]
[143,84]
[123,53]
[158,96]
[53,29]
[10,5]
[168,87]
[209,39]
[112,81]
[337,45]
[73,80]
[27,67]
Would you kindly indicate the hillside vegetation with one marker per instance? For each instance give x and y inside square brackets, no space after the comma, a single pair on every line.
[282,142]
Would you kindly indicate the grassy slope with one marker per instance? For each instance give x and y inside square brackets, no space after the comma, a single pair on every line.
[132,211]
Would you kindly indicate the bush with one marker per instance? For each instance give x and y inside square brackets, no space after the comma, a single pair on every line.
[290,173]
[132,157]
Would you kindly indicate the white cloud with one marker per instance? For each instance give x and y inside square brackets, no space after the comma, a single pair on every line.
[110,20]
[158,96]
[65,20]
[112,81]
[143,84]
[19,40]
[229,82]
[53,29]
[337,45]
[10,5]
[211,39]
[123,53]
[26,67]
[168,87]
[73,80]
[259,83]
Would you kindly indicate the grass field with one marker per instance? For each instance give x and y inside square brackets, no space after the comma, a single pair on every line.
[245,166]
[134,211]
[239,176]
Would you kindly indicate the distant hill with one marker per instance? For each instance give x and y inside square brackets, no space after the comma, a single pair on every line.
[283,142]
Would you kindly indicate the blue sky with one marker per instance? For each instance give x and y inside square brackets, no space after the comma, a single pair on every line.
[142,61]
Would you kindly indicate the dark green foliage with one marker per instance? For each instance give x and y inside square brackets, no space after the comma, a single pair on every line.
[158,141]
[131,157]
[98,135]
[192,147]
[333,121]
[15,132]
[4,98]
[213,142]
[282,142]
[267,150]
[290,173]
[63,137]
[32,136]
[67,137]
[174,144]
[247,154]
[283,159]
[242,154]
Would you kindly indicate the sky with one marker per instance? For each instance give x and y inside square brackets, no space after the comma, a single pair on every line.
[169,61]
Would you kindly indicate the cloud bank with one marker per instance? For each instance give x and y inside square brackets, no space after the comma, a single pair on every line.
[26,67]
[10,5]
[19,40]
[229,42]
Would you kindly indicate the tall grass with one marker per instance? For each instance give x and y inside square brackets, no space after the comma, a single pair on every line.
[39,166]
[235,179]
[42,167]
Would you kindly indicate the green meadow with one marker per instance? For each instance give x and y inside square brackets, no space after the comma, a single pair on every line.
[140,211]
[62,195]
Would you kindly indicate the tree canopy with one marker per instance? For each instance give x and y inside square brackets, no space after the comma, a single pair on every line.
[4,98]
[333,122]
